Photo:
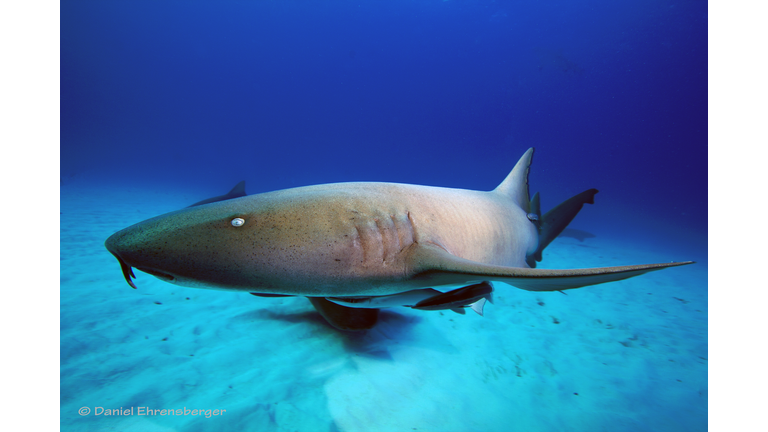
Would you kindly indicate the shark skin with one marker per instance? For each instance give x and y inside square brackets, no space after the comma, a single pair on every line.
[360,240]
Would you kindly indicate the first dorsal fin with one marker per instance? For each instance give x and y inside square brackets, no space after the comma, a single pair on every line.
[515,186]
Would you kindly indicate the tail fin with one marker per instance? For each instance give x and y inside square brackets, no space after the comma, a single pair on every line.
[555,220]
[515,186]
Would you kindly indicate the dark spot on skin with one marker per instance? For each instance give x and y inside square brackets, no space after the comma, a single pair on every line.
[187,298]
[158,303]
[165,339]
[575,393]
[555,320]
[540,303]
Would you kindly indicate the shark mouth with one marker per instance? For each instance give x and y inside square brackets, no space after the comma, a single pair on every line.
[128,272]
[160,275]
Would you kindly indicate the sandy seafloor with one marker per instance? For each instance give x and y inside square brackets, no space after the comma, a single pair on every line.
[625,356]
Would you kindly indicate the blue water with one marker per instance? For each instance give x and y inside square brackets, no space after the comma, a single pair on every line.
[183,99]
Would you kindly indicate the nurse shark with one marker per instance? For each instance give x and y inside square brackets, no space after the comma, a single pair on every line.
[353,248]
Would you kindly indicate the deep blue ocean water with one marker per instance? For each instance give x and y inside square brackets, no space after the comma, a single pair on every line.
[186,98]
[448,93]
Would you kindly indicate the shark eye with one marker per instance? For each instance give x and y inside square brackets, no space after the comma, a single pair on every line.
[238,222]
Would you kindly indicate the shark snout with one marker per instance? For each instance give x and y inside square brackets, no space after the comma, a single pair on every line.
[114,245]
[126,247]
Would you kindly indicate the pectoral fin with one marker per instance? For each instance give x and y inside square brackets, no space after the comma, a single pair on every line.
[434,266]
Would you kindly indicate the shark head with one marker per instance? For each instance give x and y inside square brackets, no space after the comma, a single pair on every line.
[276,243]
[197,246]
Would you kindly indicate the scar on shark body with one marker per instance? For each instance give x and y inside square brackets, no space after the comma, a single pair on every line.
[354,248]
